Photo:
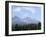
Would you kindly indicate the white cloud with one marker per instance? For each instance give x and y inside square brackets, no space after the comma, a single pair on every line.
[17,9]
[32,10]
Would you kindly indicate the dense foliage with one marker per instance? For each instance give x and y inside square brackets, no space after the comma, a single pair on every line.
[18,27]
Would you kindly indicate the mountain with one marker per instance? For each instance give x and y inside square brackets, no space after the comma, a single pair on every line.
[27,20]
[17,20]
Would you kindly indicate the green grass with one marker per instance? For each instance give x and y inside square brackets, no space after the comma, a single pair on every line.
[26,27]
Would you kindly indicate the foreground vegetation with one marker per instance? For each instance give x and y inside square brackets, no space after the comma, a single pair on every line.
[18,27]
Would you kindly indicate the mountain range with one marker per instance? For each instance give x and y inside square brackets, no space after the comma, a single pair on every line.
[27,20]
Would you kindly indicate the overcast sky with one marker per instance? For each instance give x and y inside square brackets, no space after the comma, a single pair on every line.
[27,11]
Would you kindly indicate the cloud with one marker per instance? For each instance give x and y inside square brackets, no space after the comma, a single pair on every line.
[32,10]
[26,9]
[17,9]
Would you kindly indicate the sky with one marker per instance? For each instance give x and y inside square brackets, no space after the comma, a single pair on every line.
[26,11]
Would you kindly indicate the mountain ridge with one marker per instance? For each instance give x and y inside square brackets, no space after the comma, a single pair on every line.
[27,20]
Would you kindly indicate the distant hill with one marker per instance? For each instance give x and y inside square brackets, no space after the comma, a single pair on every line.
[27,20]
[17,20]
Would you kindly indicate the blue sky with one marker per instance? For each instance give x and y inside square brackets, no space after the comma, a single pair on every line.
[27,11]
